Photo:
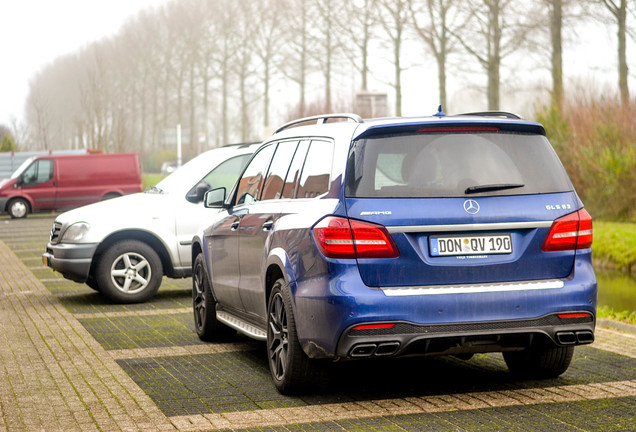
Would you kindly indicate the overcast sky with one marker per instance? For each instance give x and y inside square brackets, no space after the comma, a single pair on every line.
[34,32]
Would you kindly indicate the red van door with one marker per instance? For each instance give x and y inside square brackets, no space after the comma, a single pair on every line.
[37,182]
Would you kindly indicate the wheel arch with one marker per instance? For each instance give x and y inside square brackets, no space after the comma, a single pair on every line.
[196,249]
[278,266]
[142,236]
[22,197]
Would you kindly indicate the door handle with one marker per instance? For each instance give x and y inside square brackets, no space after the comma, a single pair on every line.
[235,225]
[268,225]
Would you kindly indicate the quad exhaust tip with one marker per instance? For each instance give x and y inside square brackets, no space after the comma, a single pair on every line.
[380,349]
[575,338]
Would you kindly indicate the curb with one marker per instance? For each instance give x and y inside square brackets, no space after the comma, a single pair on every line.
[617,325]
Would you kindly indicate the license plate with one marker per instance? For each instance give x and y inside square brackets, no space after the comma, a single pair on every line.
[471,245]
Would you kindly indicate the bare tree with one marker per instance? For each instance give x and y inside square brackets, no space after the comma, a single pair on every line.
[298,18]
[555,8]
[436,21]
[618,10]
[357,23]
[395,17]
[496,29]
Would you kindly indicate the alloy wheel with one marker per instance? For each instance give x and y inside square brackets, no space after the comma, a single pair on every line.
[130,273]
[278,348]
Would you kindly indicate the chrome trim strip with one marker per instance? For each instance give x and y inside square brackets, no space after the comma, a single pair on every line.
[470,227]
[240,325]
[471,289]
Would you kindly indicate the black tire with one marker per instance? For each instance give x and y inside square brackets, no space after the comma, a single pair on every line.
[110,195]
[292,371]
[208,328]
[539,362]
[18,208]
[129,271]
[92,283]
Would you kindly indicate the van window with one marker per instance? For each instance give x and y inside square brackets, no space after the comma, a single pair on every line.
[251,182]
[278,170]
[314,180]
[40,171]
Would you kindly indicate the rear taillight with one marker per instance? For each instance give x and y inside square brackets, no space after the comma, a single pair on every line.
[345,238]
[573,231]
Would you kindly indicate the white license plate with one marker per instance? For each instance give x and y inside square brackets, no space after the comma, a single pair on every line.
[471,245]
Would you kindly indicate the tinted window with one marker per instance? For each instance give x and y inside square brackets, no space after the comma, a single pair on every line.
[314,179]
[40,171]
[293,174]
[278,170]
[251,182]
[449,165]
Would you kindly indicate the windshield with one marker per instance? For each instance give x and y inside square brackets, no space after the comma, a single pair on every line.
[182,179]
[454,165]
[196,171]
[22,168]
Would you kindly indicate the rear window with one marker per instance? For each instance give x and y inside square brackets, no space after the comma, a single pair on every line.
[454,165]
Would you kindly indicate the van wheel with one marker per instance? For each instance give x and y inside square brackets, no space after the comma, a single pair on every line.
[110,195]
[18,208]
[291,369]
[539,362]
[129,271]
[204,306]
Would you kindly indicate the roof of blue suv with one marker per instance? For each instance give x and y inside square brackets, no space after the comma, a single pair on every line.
[355,127]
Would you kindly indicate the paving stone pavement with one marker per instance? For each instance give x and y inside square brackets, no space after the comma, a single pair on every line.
[56,376]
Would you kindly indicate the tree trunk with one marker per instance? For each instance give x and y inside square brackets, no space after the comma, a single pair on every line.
[623,70]
[556,29]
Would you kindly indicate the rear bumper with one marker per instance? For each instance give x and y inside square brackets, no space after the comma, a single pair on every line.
[72,260]
[405,338]
[442,320]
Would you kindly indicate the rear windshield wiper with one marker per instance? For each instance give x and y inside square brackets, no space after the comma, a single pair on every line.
[492,187]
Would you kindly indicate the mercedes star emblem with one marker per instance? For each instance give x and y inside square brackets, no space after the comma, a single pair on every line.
[471,207]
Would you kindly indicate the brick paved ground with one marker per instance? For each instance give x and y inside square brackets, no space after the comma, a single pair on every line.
[71,361]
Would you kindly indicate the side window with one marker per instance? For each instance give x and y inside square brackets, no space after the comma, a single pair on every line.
[278,170]
[293,174]
[224,175]
[314,180]
[40,171]
[251,182]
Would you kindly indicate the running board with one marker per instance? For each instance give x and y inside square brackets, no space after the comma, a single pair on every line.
[241,325]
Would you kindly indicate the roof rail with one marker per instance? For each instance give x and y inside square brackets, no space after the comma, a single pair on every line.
[505,114]
[321,119]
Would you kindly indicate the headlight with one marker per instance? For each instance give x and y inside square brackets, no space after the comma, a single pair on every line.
[75,232]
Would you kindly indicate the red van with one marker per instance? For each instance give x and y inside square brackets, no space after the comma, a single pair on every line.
[63,182]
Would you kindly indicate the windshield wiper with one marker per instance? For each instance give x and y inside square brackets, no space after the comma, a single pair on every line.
[492,187]
[153,189]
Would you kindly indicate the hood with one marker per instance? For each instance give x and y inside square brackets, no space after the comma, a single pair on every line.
[4,182]
[133,210]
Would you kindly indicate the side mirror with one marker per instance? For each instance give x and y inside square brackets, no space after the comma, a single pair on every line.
[197,195]
[215,198]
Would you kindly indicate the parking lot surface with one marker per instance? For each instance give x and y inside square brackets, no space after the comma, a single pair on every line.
[69,360]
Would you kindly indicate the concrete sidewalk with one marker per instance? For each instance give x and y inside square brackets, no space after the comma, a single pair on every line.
[55,376]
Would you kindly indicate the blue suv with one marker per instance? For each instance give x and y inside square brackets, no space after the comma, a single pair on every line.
[445,235]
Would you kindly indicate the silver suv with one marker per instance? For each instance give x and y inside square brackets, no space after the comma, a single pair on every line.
[123,247]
